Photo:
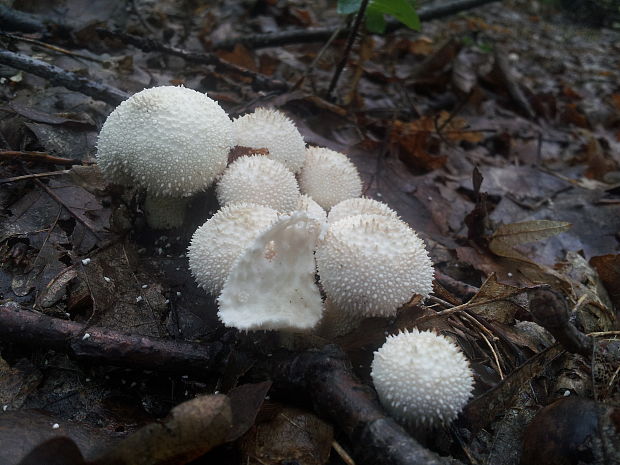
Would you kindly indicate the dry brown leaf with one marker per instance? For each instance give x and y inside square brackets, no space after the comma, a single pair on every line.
[502,308]
[509,235]
[189,431]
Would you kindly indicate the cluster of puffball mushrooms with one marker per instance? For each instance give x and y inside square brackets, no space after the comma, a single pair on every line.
[285,217]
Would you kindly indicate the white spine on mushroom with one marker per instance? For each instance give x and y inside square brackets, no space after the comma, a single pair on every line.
[329,177]
[360,206]
[218,243]
[271,129]
[372,264]
[173,141]
[259,180]
[272,286]
[421,378]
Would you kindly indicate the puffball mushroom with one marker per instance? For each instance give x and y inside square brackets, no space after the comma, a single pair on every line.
[360,206]
[272,285]
[372,264]
[222,239]
[313,209]
[260,180]
[422,378]
[172,141]
[273,130]
[329,177]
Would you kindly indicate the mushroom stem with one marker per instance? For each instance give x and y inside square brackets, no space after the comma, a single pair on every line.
[164,212]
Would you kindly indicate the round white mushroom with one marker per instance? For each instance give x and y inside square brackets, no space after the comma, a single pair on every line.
[172,141]
[273,130]
[422,378]
[329,177]
[259,180]
[372,264]
[222,239]
[360,206]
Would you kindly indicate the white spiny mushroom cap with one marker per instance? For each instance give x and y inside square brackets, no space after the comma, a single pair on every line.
[360,206]
[260,180]
[422,378]
[173,141]
[372,264]
[329,177]
[271,129]
[313,209]
[222,239]
[272,285]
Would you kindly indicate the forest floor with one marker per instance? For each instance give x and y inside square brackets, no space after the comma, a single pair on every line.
[494,133]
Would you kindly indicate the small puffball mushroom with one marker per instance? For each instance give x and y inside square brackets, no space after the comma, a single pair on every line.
[372,264]
[422,378]
[329,177]
[313,209]
[172,141]
[360,206]
[260,180]
[272,284]
[273,130]
[218,243]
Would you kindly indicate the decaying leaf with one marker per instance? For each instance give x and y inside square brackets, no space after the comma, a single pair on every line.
[501,304]
[509,235]
[293,435]
[192,429]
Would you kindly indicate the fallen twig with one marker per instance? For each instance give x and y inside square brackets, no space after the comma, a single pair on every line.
[42,157]
[34,175]
[347,51]
[22,326]
[259,81]
[426,13]
[60,77]
[324,374]
[550,310]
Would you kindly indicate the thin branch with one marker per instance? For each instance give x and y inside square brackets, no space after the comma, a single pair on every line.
[33,176]
[60,77]
[259,81]
[361,13]
[54,48]
[42,157]
[426,13]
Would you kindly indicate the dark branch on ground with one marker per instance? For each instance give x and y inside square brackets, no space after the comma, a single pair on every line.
[259,81]
[361,13]
[41,157]
[324,374]
[550,310]
[60,77]
[321,34]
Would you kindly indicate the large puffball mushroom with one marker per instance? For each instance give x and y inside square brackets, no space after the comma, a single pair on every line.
[335,322]
[360,206]
[422,378]
[222,239]
[260,180]
[272,285]
[329,177]
[172,141]
[273,130]
[372,264]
